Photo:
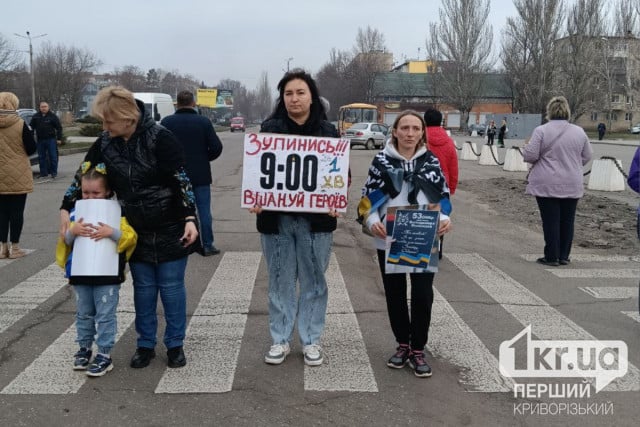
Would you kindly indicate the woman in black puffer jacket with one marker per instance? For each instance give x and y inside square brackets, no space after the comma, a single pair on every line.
[145,168]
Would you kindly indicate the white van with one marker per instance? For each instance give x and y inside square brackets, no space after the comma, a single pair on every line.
[159,105]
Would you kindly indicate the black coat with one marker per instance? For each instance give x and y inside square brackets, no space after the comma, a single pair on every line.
[147,174]
[267,221]
[46,126]
[199,140]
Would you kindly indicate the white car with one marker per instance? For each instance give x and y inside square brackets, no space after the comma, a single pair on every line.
[635,128]
[369,135]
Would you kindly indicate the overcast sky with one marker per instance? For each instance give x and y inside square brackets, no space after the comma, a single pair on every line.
[215,39]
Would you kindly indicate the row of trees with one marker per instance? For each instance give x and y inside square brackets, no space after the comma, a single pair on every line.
[63,73]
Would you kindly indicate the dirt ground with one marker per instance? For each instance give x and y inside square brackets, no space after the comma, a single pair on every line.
[601,223]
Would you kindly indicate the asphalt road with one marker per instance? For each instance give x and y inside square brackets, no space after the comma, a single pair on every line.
[488,290]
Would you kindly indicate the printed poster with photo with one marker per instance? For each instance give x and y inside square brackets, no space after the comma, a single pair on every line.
[412,239]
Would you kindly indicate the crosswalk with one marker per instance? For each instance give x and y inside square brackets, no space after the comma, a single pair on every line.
[216,329]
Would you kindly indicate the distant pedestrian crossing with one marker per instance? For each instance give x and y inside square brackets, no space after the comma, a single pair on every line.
[216,329]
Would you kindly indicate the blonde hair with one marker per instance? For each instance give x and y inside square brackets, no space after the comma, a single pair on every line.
[423,140]
[8,101]
[558,108]
[117,103]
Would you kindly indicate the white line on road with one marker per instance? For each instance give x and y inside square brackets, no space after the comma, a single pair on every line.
[451,338]
[51,372]
[215,332]
[595,273]
[590,258]
[613,292]
[346,365]
[26,296]
[529,309]
[633,314]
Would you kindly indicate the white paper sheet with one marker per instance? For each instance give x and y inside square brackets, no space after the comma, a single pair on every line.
[90,257]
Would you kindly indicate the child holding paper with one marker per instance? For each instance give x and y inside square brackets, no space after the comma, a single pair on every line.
[96,294]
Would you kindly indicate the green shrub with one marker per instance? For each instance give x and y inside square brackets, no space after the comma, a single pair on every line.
[88,119]
[91,130]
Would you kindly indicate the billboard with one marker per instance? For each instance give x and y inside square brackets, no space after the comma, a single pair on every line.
[215,98]
[224,99]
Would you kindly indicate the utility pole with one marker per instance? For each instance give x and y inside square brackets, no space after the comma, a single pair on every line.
[288,60]
[33,81]
[609,76]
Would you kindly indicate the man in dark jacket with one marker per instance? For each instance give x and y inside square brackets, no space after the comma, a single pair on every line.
[201,146]
[49,134]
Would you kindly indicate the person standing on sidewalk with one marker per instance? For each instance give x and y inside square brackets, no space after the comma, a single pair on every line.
[16,179]
[502,132]
[602,128]
[48,131]
[201,146]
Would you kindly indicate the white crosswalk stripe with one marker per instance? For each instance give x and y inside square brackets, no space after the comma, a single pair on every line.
[590,258]
[632,314]
[595,273]
[613,292]
[529,309]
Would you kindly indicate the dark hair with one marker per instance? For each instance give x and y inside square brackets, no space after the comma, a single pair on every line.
[185,98]
[405,113]
[432,117]
[317,112]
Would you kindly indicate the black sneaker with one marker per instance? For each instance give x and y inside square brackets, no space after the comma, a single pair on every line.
[545,261]
[100,366]
[211,251]
[565,261]
[176,357]
[399,359]
[420,366]
[82,358]
[142,357]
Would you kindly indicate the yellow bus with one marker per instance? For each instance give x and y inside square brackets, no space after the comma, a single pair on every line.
[356,113]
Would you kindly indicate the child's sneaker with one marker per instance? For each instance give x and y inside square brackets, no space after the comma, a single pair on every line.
[100,366]
[277,353]
[399,359]
[312,355]
[82,358]
[420,366]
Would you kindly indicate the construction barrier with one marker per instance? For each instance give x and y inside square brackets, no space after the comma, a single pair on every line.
[469,151]
[606,175]
[513,161]
[489,156]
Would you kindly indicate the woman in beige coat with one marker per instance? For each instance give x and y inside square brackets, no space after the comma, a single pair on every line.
[16,179]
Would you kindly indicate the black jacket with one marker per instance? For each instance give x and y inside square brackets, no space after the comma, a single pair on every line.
[147,174]
[267,221]
[199,140]
[46,126]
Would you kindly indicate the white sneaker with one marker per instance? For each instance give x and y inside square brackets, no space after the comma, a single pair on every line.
[312,355]
[277,353]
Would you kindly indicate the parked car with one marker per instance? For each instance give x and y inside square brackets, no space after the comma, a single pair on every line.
[480,129]
[237,123]
[635,128]
[26,114]
[369,135]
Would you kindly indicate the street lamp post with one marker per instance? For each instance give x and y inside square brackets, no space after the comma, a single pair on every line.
[33,82]
[288,60]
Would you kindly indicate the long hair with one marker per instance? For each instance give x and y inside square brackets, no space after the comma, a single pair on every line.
[317,112]
[405,113]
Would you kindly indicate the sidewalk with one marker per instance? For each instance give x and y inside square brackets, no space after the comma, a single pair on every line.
[627,142]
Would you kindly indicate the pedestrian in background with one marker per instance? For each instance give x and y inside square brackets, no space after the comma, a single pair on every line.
[502,132]
[146,171]
[16,179]
[602,128]
[97,296]
[297,245]
[48,131]
[557,152]
[406,156]
[201,146]
[491,132]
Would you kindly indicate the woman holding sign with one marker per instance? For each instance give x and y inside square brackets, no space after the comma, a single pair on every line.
[146,171]
[297,246]
[406,173]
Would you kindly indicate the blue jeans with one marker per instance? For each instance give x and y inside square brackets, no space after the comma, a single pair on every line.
[48,156]
[166,278]
[203,205]
[96,314]
[296,254]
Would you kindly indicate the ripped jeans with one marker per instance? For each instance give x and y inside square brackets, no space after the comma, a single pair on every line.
[96,314]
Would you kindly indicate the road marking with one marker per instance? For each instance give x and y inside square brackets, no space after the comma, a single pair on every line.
[529,309]
[346,365]
[590,258]
[24,297]
[595,273]
[614,292]
[216,329]
[633,314]
[51,372]
[7,261]
[450,338]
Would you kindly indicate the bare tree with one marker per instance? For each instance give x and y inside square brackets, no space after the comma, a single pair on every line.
[153,80]
[131,77]
[579,57]
[263,99]
[528,55]
[333,83]
[62,73]
[460,44]
[370,57]
[14,75]
[625,18]
[9,56]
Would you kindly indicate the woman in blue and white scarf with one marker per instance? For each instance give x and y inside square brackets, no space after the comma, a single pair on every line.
[406,173]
